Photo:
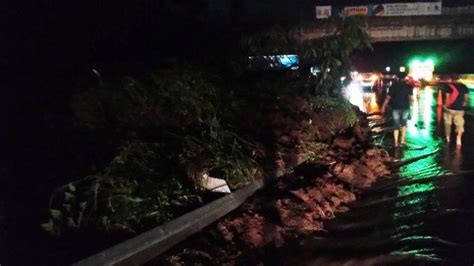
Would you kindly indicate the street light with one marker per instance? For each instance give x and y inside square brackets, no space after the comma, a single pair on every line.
[387,69]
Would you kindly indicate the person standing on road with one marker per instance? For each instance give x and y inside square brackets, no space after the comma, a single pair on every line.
[453,109]
[400,99]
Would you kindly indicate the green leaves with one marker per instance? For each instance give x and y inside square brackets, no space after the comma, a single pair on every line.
[333,52]
[56,214]
[272,41]
[219,150]
[69,196]
[122,196]
[52,226]
[176,124]
[71,222]
[49,227]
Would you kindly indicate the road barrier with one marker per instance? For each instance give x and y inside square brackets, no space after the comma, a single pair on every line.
[149,245]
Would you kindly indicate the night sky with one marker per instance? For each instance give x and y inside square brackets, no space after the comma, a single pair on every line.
[52,44]
[60,39]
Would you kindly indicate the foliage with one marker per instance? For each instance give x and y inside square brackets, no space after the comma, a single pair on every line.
[145,183]
[331,53]
[179,98]
[317,151]
[325,102]
[203,112]
[134,190]
[222,153]
[267,42]
[88,108]
[175,125]
[266,87]
[188,92]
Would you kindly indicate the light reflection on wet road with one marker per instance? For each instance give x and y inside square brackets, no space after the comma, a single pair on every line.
[423,216]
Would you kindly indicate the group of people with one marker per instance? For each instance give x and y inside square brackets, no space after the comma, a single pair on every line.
[400,99]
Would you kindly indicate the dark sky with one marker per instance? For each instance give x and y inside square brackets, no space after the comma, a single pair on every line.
[62,39]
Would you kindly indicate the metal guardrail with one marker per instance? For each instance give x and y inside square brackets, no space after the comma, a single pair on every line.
[149,245]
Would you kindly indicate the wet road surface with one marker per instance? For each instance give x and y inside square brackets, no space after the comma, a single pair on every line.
[423,215]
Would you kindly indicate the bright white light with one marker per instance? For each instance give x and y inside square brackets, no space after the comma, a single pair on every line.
[427,100]
[366,79]
[387,69]
[422,70]
[429,62]
[413,130]
[402,69]
[416,63]
[354,95]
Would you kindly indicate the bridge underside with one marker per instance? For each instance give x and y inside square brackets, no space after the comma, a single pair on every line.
[393,29]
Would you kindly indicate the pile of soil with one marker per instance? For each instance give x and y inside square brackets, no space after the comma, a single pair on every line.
[295,206]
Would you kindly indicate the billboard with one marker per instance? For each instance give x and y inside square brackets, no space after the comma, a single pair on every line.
[323,11]
[383,10]
[407,9]
[355,11]
[274,62]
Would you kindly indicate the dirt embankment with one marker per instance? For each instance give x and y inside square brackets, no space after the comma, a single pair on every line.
[297,205]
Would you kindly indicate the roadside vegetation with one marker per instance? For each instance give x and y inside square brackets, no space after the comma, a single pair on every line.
[177,125]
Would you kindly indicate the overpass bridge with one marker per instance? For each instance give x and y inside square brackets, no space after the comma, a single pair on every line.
[454,23]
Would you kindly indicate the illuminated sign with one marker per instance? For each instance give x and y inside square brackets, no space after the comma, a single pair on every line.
[323,11]
[356,11]
[407,9]
[274,62]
